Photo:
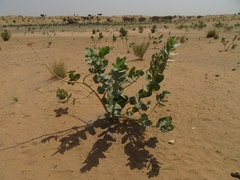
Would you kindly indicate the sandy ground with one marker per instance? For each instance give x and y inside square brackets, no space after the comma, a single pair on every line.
[41,138]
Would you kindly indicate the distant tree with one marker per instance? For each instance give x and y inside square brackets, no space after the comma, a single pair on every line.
[99,14]
[128,19]
[155,18]
[43,15]
[141,19]
[70,20]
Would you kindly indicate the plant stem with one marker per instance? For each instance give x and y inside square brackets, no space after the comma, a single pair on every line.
[129,84]
[153,109]
[99,98]
[86,77]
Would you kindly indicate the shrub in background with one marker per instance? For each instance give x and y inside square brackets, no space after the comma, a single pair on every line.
[140,29]
[212,33]
[59,69]
[123,32]
[5,35]
[140,49]
[153,28]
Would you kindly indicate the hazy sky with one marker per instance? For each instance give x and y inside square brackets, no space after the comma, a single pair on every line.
[118,7]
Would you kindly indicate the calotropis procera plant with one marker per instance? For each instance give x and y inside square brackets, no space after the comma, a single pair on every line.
[112,85]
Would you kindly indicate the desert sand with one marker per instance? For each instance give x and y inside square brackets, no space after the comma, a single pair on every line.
[42,138]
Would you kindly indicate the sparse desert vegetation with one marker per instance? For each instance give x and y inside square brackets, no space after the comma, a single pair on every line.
[5,35]
[101,119]
[139,49]
[212,33]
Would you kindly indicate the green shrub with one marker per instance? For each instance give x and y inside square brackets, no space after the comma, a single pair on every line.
[114,39]
[59,69]
[228,27]
[140,49]
[123,32]
[211,33]
[5,34]
[229,44]
[111,91]
[218,25]
[216,36]
[153,28]
[140,29]
[127,114]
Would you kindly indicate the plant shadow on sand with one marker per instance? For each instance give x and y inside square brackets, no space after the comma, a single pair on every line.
[131,134]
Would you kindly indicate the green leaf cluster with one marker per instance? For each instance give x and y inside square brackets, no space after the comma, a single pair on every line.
[111,86]
[229,44]
[156,40]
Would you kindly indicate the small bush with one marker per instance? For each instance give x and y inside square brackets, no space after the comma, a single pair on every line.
[5,34]
[123,32]
[59,69]
[49,44]
[153,28]
[212,33]
[140,29]
[140,49]
[229,44]
[183,39]
[216,36]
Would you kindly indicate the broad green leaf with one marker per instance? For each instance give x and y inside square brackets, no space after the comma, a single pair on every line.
[104,100]
[96,79]
[159,78]
[131,72]
[170,60]
[173,54]
[73,77]
[61,94]
[132,100]
[144,107]
[165,124]
[144,121]
[100,90]
[103,51]
[160,97]
[139,73]
[135,109]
